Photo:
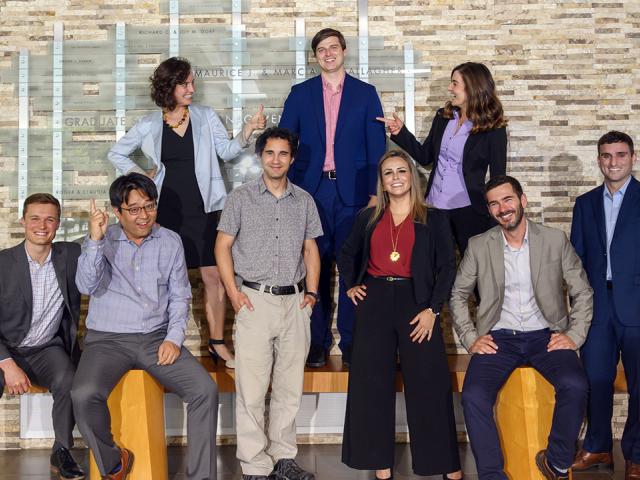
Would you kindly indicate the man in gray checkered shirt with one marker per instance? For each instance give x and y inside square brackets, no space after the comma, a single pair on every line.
[39,320]
[266,235]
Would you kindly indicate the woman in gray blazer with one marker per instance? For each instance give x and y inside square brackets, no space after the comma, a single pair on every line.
[183,142]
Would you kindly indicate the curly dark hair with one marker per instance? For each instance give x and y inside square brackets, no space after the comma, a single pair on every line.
[277,132]
[173,71]
[484,107]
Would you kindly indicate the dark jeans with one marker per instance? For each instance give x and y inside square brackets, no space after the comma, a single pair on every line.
[486,375]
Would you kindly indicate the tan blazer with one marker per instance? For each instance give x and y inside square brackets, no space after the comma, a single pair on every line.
[552,259]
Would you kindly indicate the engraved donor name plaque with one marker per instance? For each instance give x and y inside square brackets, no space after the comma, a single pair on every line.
[80,96]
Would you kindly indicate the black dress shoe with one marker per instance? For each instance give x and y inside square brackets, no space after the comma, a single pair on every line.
[288,469]
[63,465]
[317,356]
[346,356]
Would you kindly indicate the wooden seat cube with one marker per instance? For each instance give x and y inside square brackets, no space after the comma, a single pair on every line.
[524,411]
[137,422]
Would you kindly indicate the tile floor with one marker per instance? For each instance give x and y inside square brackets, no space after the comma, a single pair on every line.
[324,460]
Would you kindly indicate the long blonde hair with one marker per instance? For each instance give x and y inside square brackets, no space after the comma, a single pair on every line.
[418,206]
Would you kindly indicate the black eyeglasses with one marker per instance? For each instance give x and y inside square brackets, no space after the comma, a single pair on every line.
[149,207]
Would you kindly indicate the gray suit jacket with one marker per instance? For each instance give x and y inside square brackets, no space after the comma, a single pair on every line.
[553,260]
[16,297]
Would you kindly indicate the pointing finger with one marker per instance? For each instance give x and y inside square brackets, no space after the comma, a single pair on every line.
[92,205]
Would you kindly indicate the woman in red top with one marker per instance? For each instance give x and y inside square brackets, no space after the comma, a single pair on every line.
[398,268]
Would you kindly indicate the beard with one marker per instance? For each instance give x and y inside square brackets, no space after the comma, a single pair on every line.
[517,219]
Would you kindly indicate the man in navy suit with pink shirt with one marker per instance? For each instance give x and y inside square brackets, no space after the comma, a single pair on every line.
[341,142]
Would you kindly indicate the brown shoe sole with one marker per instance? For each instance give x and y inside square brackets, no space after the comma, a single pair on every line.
[56,471]
[595,466]
[129,465]
[541,464]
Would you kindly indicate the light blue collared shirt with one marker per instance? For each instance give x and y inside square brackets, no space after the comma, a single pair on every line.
[136,289]
[520,310]
[612,205]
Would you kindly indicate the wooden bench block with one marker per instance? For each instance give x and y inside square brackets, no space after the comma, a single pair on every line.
[137,422]
[523,414]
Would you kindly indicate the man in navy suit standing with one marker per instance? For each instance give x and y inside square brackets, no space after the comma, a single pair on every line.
[606,235]
[341,142]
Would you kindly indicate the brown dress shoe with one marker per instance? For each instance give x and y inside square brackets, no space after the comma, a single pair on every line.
[126,462]
[546,469]
[585,460]
[632,471]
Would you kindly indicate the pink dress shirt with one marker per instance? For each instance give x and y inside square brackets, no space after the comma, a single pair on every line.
[331,108]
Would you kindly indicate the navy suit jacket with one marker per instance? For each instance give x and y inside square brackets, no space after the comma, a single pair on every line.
[359,142]
[588,236]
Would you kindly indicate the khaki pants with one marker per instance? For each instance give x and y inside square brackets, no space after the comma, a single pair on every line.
[272,343]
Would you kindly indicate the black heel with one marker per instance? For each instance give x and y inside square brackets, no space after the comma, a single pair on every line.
[212,351]
[214,355]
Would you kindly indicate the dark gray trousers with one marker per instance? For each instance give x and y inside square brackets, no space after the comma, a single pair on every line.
[106,358]
[50,366]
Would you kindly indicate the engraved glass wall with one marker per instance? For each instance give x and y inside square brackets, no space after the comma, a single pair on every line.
[81,96]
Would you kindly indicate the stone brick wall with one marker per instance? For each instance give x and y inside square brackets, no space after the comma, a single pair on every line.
[566,73]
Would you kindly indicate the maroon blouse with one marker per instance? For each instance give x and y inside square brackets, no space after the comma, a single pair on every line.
[380,263]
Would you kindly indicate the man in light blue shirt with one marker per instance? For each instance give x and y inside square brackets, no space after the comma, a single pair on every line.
[136,275]
[606,235]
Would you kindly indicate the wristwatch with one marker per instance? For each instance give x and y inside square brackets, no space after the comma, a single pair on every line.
[313,294]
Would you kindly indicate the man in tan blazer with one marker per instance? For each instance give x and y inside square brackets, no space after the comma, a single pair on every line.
[519,269]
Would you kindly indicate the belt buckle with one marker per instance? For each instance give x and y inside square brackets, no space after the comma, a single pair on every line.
[390,279]
[331,174]
[271,287]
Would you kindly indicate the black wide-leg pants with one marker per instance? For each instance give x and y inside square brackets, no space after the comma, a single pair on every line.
[381,330]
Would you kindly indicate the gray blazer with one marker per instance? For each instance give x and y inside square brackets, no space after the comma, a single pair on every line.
[17,297]
[552,259]
[210,140]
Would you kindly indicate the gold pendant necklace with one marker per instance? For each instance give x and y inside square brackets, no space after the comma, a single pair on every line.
[184,117]
[394,256]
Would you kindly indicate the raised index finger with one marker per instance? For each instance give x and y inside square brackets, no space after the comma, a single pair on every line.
[386,121]
[92,205]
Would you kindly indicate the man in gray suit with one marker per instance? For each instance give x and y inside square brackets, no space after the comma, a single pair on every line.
[39,320]
[519,268]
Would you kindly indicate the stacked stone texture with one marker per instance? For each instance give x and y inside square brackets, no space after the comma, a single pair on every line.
[566,73]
